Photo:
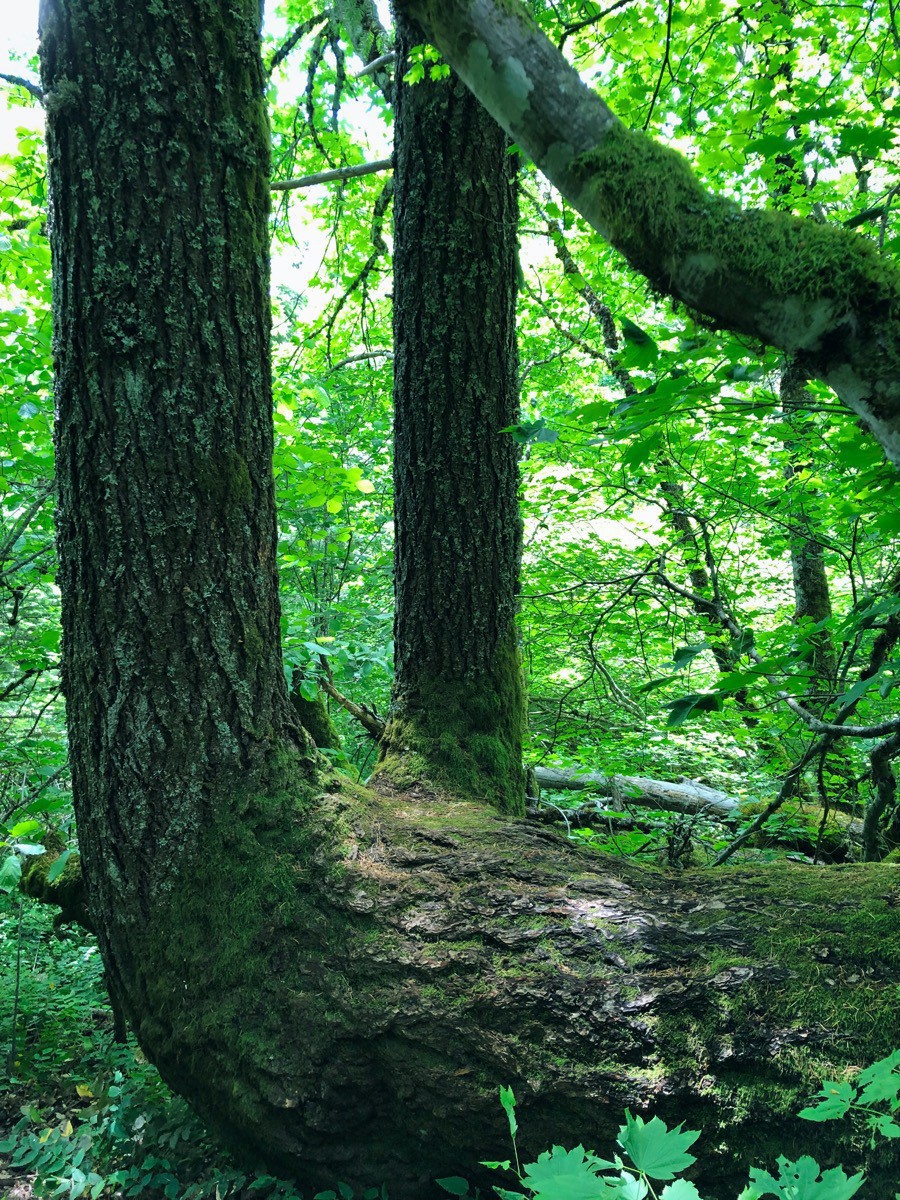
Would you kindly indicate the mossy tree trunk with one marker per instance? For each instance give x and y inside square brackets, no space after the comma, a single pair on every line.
[339,981]
[458,708]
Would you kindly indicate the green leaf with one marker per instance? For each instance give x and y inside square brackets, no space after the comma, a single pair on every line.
[684,706]
[835,1102]
[743,643]
[659,682]
[309,691]
[57,867]
[562,1174]
[800,1180]
[454,1185]
[859,688]
[508,1100]
[881,1081]
[314,648]
[685,655]
[531,431]
[657,1151]
[681,1189]
[634,333]
[629,1187]
[885,1125]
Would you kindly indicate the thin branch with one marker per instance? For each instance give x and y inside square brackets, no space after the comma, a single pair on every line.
[18,81]
[22,523]
[579,25]
[662,66]
[338,174]
[291,41]
[375,65]
[810,720]
[363,356]
[17,683]
[371,723]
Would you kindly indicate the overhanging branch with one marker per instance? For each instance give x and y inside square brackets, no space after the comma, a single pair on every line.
[819,292]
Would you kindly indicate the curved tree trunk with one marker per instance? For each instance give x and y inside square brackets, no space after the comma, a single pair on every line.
[340,981]
[178,710]
[458,709]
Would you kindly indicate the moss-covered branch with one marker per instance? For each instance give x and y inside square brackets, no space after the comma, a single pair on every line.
[821,293]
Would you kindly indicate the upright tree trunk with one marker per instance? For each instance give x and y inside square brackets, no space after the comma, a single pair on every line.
[458,707]
[811,592]
[178,711]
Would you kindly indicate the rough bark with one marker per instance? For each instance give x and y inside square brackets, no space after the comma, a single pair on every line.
[458,709]
[340,981]
[177,705]
[820,293]
[346,999]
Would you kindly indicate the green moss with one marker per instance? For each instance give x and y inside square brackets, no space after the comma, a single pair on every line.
[462,736]
[316,720]
[648,203]
[67,892]
[224,481]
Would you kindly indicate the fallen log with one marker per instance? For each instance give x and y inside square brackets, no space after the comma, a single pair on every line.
[685,797]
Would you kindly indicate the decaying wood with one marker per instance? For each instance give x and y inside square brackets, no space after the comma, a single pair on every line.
[685,797]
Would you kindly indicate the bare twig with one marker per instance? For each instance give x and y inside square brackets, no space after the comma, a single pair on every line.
[338,174]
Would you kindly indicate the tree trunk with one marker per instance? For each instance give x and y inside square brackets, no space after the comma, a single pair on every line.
[458,707]
[347,1000]
[179,719]
[688,797]
[811,592]
[340,981]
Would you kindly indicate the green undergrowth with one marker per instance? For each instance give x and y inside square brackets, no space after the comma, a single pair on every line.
[652,1162]
[656,837]
[79,1114]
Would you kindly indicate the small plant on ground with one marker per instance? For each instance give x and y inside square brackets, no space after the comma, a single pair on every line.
[653,1156]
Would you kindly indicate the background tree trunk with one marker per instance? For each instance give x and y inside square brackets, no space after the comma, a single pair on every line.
[458,706]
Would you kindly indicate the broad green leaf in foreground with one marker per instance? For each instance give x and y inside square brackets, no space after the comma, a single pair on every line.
[657,1151]
[562,1174]
[800,1180]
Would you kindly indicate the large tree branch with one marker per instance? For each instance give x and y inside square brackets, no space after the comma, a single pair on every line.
[821,293]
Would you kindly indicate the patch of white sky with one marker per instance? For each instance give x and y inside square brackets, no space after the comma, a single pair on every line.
[18,48]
